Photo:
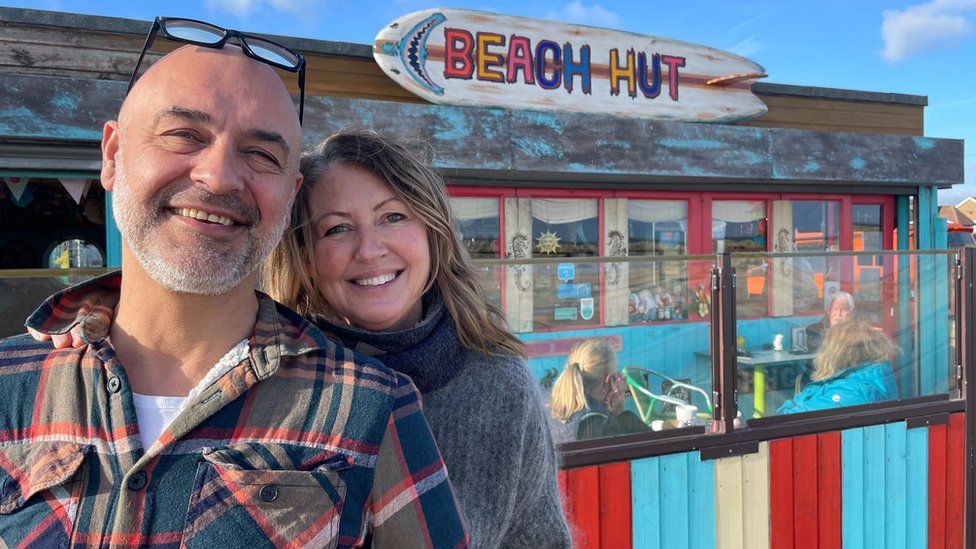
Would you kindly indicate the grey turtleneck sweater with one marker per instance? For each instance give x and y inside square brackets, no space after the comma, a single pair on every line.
[487,416]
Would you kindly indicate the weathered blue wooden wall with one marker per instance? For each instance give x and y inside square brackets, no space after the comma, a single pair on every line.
[526,143]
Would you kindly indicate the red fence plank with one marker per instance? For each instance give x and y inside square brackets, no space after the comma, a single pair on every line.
[615,506]
[955,465]
[829,495]
[805,501]
[583,506]
[937,486]
[781,494]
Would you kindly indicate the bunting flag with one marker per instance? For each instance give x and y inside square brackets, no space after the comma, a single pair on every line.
[18,188]
[17,185]
[77,188]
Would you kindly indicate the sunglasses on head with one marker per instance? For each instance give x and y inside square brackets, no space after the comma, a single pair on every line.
[199,33]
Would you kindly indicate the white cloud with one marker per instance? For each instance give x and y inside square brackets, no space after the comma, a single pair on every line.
[747,47]
[596,15]
[244,8]
[924,26]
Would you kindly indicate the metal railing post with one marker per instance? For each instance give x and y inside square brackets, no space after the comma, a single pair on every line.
[966,318]
[723,349]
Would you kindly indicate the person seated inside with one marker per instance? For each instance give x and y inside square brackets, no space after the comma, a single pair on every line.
[587,399]
[853,366]
[840,308]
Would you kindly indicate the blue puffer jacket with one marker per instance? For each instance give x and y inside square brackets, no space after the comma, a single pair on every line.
[861,384]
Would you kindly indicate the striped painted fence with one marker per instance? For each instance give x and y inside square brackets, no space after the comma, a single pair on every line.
[878,486]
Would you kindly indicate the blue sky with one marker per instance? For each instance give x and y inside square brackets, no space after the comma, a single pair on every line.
[916,47]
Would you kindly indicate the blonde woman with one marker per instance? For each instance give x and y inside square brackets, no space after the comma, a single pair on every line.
[374,260]
[853,366]
[587,399]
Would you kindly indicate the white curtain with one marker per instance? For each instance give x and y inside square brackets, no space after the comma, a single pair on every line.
[468,209]
[564,210]
[658,211]
[738,211]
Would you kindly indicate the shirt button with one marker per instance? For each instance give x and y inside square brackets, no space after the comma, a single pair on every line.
[137,481]
[269,493]
[114,384]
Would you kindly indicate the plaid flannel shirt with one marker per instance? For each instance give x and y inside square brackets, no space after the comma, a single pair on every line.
[302,444]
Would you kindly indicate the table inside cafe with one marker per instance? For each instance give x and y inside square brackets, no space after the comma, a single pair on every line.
[762,362]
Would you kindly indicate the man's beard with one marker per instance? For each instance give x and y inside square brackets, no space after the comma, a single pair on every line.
[207,266]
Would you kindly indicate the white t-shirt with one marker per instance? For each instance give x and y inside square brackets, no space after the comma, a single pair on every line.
[155,413]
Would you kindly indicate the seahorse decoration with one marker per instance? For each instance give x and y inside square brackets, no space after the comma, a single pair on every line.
[785,244]
[616,247]
[520,250]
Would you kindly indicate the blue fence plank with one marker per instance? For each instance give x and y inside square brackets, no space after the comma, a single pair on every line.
[894,505]
[673,502]
[917,522]
[884,487]
[645,494]
[852,488]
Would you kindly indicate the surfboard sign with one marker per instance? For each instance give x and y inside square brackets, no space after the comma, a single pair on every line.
[465,57]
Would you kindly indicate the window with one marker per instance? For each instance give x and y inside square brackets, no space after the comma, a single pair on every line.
[479,226]
[658,290]
[567,294]
[38,214]
[740,226]
[868,236]
[816,228]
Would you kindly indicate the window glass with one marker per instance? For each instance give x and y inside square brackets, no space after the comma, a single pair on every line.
[816,228]
[802,363]
[479,226]
[479,229]
[567,294]
[659,291]
[740,226]
[652,377]
[868,269]
[38,214]
[46,223]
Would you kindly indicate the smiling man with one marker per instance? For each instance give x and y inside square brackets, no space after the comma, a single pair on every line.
[200,412]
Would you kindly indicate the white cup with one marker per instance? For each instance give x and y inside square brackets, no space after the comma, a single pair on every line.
[686,413]
[778,342]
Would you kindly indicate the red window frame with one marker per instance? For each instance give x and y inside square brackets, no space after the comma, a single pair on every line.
[699,203]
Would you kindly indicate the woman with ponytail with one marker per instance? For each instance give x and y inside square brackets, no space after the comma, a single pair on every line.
[587,399]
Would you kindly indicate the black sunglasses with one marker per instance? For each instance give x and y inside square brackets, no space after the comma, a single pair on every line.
[206,35]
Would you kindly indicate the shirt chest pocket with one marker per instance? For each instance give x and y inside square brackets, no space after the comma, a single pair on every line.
[40,492]
[238,500]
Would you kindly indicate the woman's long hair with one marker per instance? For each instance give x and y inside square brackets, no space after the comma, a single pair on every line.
[587,366]
[851,343]
[287,274]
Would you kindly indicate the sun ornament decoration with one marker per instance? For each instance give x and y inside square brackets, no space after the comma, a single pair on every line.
[547,243]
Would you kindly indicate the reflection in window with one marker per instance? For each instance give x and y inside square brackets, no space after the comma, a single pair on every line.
[75,254]
[479,228]
[37,214]
[478,225]
[566,294]
[816,228]
[868,270]
[658,290]
[740,226]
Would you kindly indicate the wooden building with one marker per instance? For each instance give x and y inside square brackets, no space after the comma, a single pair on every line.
[641,208]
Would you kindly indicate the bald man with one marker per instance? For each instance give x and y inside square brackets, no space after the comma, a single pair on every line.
[199,412]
